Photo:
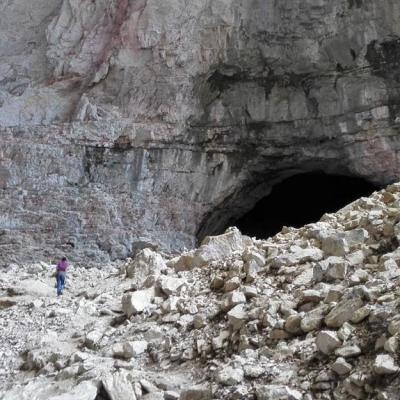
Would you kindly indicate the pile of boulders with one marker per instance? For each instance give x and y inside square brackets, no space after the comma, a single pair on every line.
[312,313]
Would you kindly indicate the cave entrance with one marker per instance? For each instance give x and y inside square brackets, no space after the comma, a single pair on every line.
[300,200]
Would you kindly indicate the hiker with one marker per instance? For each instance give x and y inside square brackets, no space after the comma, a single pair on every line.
[61,271]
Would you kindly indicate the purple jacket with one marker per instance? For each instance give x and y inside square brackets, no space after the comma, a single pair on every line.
[62,266]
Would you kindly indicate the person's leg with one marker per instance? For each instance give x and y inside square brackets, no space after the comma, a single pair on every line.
[59,284]
[62,282]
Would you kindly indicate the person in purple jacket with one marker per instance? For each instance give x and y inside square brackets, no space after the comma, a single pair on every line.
[61,271]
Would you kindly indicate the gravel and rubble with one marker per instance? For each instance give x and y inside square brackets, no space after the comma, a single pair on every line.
[312,313]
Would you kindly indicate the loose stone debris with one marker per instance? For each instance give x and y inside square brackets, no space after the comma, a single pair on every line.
[312,313]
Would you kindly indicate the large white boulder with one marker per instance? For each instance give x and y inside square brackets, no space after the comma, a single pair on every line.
[118,386]
[136,302]
[170,285]
[385,365]
[220,247]
[147,262]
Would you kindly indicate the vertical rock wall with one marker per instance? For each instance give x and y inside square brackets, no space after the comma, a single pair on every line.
[125,122]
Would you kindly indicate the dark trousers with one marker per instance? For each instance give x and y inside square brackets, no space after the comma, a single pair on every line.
[60,282]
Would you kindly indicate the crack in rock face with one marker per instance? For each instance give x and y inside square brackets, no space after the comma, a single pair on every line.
[131,122]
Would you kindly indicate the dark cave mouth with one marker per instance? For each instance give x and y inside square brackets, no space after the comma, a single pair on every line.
[300,200]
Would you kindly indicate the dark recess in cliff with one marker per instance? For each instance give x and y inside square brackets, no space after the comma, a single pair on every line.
[384,58]
[300,200]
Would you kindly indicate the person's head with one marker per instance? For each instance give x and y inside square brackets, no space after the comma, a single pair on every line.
[64,259]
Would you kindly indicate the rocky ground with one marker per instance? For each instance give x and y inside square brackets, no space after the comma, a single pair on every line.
[312,313]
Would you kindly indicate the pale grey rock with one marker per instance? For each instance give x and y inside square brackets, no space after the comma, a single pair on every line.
[237,316]
[250,291]
[147,262]
[218,342]
[83,391]
[136,302]
[118,386]
[230,376]
[331,268]
[232,284]
[356,258]
[311,295]
[232,299]
[129,349]
[390,269]
[251,269]
[360,314]
[327,341]
[216,248]
[251,254]
[93,338]
[348,351]
[147,386]
[253,371]
[199,321]
[183,263]
[345,331]
[343,312]
[335,246]
[341,366]
[392,345]
[359,276]
[271,392]
[199,392]
[86,390]
[293,324]
[394,326]
[356,237]
[384,364]
[171,395]
[297,255]
[312,320]
[171,285]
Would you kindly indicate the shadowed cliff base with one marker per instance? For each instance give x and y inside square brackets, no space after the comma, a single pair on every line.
[300,200]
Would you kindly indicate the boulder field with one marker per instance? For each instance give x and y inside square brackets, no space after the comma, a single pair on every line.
[312,313]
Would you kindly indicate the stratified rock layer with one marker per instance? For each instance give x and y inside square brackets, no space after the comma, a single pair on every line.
[125,121]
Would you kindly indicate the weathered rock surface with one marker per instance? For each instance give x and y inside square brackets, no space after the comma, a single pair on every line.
[181,336]
[124,123]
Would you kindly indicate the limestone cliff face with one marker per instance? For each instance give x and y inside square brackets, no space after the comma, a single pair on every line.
[128,121]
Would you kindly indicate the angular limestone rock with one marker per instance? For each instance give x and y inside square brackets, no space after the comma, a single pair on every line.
[293,324]
[199,392]
[348,351]
[237,317]
[343,312]
[136,302]
[147,262]
[327,342]
[216,248]
[232,299]
[341,366]
[171,285]
[128,350]
[118,387]
[330,269]
[384,364]
[272,392]
[230,376]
